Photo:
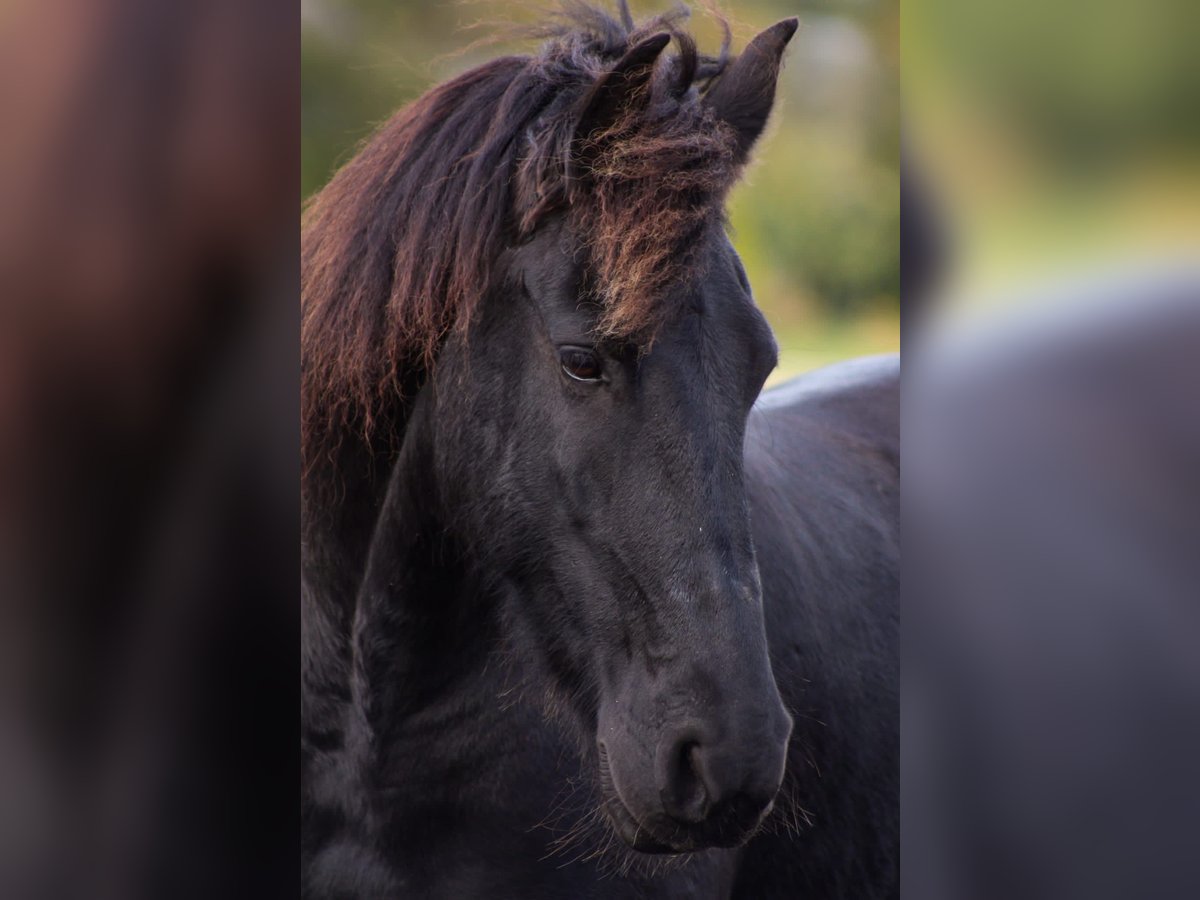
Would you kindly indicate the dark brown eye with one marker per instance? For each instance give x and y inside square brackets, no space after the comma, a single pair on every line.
[580,363]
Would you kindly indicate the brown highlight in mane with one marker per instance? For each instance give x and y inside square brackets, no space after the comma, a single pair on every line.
[403,243]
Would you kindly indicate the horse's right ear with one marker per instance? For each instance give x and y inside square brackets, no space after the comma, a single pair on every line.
[625,83]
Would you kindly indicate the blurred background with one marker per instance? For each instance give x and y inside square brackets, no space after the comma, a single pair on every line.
[1054,139]
[817,221]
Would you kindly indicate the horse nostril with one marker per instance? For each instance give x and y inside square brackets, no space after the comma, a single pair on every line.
[682,789]
[724,786]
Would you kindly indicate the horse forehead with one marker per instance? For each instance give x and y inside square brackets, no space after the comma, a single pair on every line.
[714,336]
[719,307]
[714,295]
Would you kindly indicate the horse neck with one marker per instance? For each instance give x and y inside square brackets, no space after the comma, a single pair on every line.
[343,496]
[425,632]
[379,568]
[340,509]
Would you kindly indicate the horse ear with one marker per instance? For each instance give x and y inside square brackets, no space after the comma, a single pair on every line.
[745,92]
[609,97]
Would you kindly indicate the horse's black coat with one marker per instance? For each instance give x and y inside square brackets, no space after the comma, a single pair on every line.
[555,629]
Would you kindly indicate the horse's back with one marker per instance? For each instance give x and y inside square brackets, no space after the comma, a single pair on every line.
[823,467]
[858,396]
[822,470]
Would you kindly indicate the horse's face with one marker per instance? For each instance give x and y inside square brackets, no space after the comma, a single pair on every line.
[606,488]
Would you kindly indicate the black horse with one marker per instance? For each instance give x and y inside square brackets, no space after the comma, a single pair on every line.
[584,615]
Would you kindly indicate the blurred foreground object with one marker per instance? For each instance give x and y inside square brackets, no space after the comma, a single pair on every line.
[147,445]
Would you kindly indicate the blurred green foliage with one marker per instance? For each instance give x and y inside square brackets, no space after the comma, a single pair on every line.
[817,220]
[1091,80]
[1058,137]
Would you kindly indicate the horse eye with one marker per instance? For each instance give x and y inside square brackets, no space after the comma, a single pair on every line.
[580,363]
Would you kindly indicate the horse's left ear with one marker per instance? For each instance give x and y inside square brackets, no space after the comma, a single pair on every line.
[744,94]
[625,83]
